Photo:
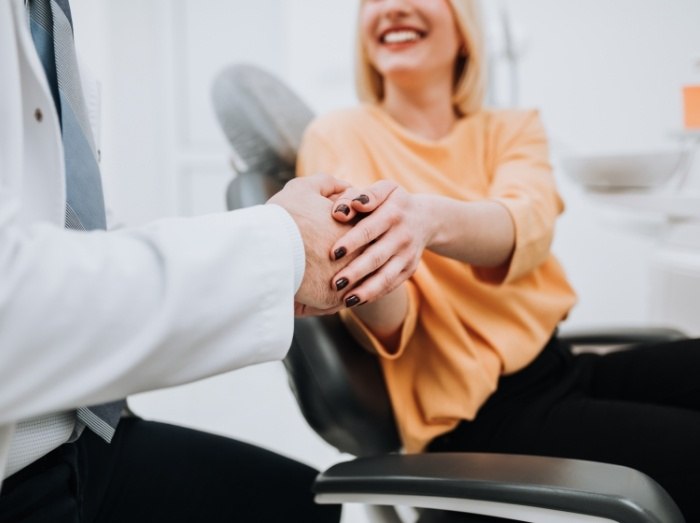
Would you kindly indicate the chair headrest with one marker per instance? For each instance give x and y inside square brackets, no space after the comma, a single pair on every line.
[262,118]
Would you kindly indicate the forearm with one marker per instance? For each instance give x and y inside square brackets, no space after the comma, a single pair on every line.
[480,233]
[385,317]
[92,317]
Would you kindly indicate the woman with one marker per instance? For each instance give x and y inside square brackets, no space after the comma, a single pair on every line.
[463,204]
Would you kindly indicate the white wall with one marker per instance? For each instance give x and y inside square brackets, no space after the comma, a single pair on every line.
[607,76]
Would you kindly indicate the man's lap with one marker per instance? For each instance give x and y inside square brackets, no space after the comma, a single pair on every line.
[158,472]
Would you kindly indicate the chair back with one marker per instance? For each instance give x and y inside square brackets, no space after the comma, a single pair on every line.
[339,387]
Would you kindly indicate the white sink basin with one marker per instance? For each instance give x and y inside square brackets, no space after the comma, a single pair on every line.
[622,171]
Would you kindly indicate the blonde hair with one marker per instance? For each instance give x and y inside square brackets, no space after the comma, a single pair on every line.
[470,69]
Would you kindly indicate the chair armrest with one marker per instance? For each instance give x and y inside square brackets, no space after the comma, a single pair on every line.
[620,335]
[532,488]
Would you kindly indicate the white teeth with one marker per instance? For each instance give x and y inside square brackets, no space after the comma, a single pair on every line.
[398,37]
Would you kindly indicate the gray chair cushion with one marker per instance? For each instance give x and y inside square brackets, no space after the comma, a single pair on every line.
[262,119]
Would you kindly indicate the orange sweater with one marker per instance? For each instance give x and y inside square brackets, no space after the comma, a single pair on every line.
[466,325]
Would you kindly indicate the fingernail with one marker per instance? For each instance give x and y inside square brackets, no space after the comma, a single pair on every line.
[343,208]
[363,199]
[340,252]
[351,301]
[341,284]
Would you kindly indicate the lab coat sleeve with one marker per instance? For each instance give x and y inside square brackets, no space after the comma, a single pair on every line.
[91,317]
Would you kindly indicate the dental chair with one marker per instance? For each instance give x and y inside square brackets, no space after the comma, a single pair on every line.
[341,392]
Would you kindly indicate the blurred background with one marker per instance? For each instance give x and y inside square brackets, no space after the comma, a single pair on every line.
[608,78]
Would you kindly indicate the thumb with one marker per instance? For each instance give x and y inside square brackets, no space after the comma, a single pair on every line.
[326,185]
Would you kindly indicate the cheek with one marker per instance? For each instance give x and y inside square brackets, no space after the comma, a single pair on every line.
[368,22]
[447,28]
[450,44]
[367,37]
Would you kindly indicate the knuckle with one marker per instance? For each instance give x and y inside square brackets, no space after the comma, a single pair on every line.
[393,216]
[365,235]
[404,200]
[404,239]
[396,271]
[386,281]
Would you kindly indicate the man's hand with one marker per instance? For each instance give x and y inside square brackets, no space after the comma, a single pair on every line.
[308,201]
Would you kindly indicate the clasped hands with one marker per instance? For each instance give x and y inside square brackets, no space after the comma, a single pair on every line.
[360,244]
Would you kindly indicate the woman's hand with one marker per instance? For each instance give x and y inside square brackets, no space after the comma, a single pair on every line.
[393,229]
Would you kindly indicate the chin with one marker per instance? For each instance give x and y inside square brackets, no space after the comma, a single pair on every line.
[402,72]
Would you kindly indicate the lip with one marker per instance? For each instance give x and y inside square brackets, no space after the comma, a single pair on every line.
[398,28]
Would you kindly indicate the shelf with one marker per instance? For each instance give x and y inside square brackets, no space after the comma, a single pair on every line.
[686,134]
[674,206]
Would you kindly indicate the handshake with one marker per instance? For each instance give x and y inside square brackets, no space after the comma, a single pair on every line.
[350,261]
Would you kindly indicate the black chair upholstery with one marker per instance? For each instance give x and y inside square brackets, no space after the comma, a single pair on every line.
[342,395]
[340,388]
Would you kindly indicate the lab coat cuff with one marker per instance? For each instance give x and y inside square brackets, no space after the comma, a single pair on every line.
[298,254]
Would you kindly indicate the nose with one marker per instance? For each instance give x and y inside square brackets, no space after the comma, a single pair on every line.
[394,9]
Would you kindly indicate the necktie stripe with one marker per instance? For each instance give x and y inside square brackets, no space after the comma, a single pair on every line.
[41,14]
[84,190]
[103,428]
[65,7]
[41,26]
[68,75]
[72,219]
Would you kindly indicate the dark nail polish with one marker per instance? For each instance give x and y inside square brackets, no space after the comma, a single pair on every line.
[341,284]
[343,208]
[363,199]
[340,252]
[351,301]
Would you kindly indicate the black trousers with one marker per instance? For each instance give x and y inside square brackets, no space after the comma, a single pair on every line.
[638,407]
[153,472]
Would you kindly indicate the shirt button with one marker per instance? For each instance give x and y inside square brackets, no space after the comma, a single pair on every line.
[38,115]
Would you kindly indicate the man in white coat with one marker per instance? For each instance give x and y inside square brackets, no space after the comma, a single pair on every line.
[92,317]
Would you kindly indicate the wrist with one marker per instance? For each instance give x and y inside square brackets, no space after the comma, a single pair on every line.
[428,209]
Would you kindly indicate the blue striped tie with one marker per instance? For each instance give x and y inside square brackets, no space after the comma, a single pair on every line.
[52,30]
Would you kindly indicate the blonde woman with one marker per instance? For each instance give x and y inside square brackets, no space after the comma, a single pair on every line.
[459,212]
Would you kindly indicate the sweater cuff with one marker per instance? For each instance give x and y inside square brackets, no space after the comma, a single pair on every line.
[369,341]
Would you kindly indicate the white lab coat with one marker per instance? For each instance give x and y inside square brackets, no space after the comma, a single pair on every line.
[91,317]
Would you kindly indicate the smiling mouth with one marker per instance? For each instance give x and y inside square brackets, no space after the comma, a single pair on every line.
[401,36]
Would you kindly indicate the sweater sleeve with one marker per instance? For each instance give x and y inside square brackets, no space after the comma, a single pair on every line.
[523,183]
[316,156]
[370,342]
